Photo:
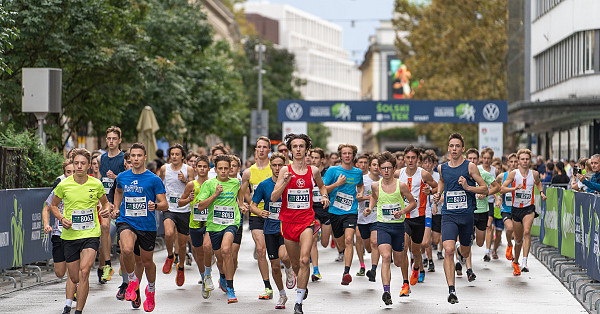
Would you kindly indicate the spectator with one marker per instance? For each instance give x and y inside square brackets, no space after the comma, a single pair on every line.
[546,177]
[540,166]
[560,177]
[152,167]
[160,161]
[583,167]
[593,184]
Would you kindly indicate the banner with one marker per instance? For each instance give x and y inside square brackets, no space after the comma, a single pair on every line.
[551,218]
[583,217]
[593,260]
[567,226]
[540,208]
[22,238]
[436,111]
[491,135]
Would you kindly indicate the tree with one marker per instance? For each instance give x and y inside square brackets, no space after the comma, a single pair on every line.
[318,134]
[8,33]
[457,49]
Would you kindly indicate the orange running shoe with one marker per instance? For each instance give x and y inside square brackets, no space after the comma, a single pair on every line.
[516,270]
[168,265]
[180,278]
[414,278]
[509,253]
[405,290]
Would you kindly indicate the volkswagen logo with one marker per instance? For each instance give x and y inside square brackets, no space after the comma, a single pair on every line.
[294,111]
[491,111]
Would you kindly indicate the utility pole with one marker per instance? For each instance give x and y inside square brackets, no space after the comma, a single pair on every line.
[260,48]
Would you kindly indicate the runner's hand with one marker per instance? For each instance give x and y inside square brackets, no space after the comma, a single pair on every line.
[434,209]
[543,196]
[519,186]
[436,197]
[287,177]
[111,174]
[218,190]
[398,214]
[426,190]
[105,213]
[325,202]
[243,208]
[367,212]
[151,206]
[47,229]
[341,180]
[66,223]
[480,196]
[180,176]
[114,214]
[463,182]
[498,203]
[264,214]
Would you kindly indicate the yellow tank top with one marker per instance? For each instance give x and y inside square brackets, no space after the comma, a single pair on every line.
[257,176]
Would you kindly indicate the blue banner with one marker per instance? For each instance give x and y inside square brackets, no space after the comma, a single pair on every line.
[593,259]
[436,111]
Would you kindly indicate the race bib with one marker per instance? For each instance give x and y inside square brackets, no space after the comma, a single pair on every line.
[107,183]
[136,206]
[200,215]
[274,208]
[254,186]
[173,199]
[508,199]
[298,198]
[387,211]
[224,215]
[343,201]
[456,200]
[83,219]
[523,196]
[316,195]
[59,226]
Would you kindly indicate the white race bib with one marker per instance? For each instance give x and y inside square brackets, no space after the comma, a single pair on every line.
[200,215]
[456,200]
[107,183]
[316,195]
[274,209]
[83,219]
[224,215]
[343,201]
[298,198]
[173,199]
[59,226]
[136,206]
[387,211]
[508,199]
[523,196]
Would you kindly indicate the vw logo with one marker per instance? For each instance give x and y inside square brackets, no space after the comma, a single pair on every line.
[300,182]
[293,111]
[491,111]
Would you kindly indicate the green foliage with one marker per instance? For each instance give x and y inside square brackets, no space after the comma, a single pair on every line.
[8,33]
[318,134]
[42,165]
[402,134]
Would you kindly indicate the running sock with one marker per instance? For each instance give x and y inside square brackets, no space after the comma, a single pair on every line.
[267,284]
[181,268]
[487,251]
[78,312]
[386,288]
[405,281]
[524,260]
[346,269]
[124,276]
[315,269]
[282,293]
[131,276]
[451,289]
[171,256]
[374,267]
[222,276]
[230,284]
[151,286]
[342,251]
[107,263]
[207,270]
[362,265]
[68,302]
[300,295]
[423,256]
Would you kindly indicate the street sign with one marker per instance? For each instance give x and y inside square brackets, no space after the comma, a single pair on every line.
[490,135]
[293,127]
[259,125]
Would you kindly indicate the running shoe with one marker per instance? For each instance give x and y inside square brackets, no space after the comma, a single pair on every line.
[188,258]
[509,253]
[525,269]
[66,310]
[290,279]
[281,303]
[494,254]
[516,270]
[138,300]
[316,277]
[176,261]
[458,267]
[340,257]
[431,268]
[149,302]
[471,275]
[121,292]
[387,298]
[231,296]
[371,275]
[452,298]
[205,292]
[107,273]
[223,284]
[414,277]
[130,293]
[168,265]
[267,295]
[100,274]
[405,290]
[486,257]
[180,278]
[213,260]
[421,276]
[346,279]
[440,255]
[460,257]
[305,294]
[361,272]
[298,308]
[332,243]
[208,282]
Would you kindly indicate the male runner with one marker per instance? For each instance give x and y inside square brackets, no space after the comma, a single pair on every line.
[367,223]
[345,186]
[201,247]
[388,196]
[253,176]
[298,224]
[418,181]
[139,193]
[58,249]
[399,160]
[428,161]
[273,238]
[111,164]
[458,179]
[215,151]
[282,148]
[523,208]
[321,214]
[224,202]
[176,220]
[362,163]
[487,156]
[507,198]
[234,173]
[81,228]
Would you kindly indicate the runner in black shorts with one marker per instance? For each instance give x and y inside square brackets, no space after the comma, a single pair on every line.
[317,157]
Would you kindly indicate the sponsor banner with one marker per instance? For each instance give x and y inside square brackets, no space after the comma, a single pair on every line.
[583,227]
[567,224]
[490,135]
[551,217]
[436,111]
[540,209]
[593,258]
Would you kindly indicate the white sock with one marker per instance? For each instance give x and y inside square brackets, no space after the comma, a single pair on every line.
[524,260]
[151,286]
[68,302]
[423,256]
[300,295]
[487,251]
[282,293]
[131,276]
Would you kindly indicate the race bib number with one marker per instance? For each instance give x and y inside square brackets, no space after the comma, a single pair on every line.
[83,219]
[316,195]
[387,211]
[200,215]
[456,200]
[298,198]
[136,206]
[224,215]
[173,199]
[508,199]
[59,226]
[522,196]
[343,201]
[274,209]
[107,183]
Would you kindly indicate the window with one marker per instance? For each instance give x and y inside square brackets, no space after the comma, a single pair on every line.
[543,6]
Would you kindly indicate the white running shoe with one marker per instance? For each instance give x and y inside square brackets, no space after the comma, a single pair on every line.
[290,281]
[281,303]
[205,292]
[208,283]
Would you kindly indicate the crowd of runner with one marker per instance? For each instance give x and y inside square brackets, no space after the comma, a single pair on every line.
[398,207]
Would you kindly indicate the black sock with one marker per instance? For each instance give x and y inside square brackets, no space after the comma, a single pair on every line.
[406,281]
[342,251]
[179,267]
[176,255]
[77,312]
[107,263]
[222,276]
[267,284]
[170,256]
[416,268]
[470,270]
[346,269]
[230,284]
[423,271]
[373,267]
[451,289]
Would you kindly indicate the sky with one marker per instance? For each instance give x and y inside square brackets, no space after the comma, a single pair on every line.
[366,15]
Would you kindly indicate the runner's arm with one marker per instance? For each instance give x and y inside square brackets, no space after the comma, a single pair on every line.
[474,173]
[322,189]
[191,174]
[440,188]
[428,178]
[412,204]
[360,191]
[162,204]
[117,200]
[538,183]
[373,199]
[105,211]
[509,179]
[245,188]
[494,188]
[161,172]
[187,196]
[241,205]
[46,218]
[282,181]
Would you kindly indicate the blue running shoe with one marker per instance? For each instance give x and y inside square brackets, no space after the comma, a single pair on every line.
[421,276]
[223,284]
[231,296]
